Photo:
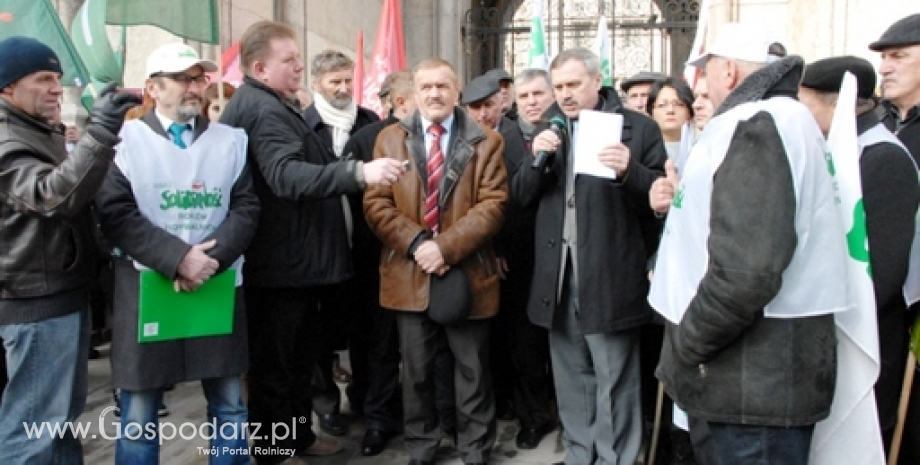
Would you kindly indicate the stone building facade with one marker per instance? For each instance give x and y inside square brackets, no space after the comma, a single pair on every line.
[477,35]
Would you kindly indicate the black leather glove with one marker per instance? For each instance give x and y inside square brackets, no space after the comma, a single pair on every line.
[110,108]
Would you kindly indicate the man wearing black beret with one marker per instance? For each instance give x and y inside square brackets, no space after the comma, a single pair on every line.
[891,195]
[47,260]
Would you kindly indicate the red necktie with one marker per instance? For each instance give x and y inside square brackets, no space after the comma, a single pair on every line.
[435,167]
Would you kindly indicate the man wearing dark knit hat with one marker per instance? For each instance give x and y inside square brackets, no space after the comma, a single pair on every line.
[891,195]
[46,262]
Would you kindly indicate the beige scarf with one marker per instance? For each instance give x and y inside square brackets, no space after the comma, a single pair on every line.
[340,120]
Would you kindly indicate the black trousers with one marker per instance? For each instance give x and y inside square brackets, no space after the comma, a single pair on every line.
[283,334]
[520,358]
[343,315]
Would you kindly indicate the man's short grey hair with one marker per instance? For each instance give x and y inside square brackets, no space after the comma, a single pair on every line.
[586,57]
[830,99]
[530,74]
[329,60]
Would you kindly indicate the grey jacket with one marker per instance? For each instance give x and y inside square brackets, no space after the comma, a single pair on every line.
[725,362]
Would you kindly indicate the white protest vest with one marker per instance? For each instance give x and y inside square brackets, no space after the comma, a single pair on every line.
[875,135]
[186,192]
[814,283]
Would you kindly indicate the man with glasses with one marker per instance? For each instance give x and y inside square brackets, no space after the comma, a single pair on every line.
[178,201]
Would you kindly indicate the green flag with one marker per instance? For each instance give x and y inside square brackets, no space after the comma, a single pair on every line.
[90,39]
[38,20]
[192,19]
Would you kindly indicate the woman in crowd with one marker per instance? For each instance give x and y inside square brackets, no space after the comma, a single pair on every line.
[670,104]
[212,107]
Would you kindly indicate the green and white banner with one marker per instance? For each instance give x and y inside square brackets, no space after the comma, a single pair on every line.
[539,57]
[851,433]
[602,47]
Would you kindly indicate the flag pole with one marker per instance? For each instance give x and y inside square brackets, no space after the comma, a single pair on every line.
[220,67]
[902,407]
[656,425]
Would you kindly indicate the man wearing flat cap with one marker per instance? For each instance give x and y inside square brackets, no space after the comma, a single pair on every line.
[890,194]
[899,70]
[483,100]
[636,89]
[900,86]
[512,337]
[47,260]
[506,89]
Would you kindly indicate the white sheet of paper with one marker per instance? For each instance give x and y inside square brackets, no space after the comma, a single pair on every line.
[596,130]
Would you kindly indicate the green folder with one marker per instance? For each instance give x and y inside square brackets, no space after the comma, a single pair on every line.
[165,315]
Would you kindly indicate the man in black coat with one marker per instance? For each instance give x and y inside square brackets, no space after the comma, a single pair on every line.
[301,245]
[593,239]
[335,117]
[899,46]
[520,354]
[891,194]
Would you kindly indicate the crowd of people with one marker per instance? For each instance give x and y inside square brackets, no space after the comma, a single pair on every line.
[458,252]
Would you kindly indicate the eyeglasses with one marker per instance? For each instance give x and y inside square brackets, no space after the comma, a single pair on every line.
[676,104]
[185,79]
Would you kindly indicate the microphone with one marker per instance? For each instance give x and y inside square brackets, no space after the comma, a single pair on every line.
[557,124]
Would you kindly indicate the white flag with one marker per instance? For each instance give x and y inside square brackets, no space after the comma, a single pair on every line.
[851,433]
[602,47]
[691,73]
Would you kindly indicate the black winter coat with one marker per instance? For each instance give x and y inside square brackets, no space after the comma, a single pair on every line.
[365,245]
[617,230]
[891,195]
[516,238]
[301,239]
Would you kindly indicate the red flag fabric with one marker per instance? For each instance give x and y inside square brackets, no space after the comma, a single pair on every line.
[389,53]
[230,59]
[358,80]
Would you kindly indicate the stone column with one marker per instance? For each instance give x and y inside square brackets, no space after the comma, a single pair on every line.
[449,18]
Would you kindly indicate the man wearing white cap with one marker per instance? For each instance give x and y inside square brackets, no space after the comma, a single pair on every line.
[179,202]
[752,262]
